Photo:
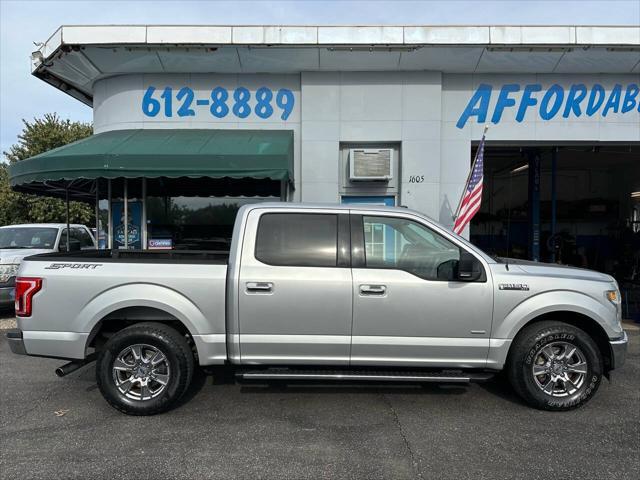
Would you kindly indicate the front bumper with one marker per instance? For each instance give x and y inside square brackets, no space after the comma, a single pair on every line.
[619,350]
[16,342]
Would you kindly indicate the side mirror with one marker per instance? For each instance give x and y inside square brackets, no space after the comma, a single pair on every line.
[469,267]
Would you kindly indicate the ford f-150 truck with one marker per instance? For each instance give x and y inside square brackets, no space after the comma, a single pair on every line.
[321,293]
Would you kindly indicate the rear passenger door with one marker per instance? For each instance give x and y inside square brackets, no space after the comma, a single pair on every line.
[295,304]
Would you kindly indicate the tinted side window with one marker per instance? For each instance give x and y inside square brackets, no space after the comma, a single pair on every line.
[83,236]
[74,241]
[298,239]
[407,245]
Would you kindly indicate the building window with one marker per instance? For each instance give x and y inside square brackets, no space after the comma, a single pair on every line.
[193,223]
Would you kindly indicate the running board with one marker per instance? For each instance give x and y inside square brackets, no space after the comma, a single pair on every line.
[366,376]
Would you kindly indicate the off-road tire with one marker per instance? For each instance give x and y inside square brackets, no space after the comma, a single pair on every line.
[520,363]
[179,357]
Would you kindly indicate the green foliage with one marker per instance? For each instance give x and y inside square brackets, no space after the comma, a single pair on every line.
[39,136]
[45,134]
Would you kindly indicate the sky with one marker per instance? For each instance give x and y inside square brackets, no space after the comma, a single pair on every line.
[23,22]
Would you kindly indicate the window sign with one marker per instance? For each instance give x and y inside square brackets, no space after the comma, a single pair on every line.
[134,227]
[160,244]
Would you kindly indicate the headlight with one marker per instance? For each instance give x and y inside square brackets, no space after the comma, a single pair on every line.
[8,271]
[613,296]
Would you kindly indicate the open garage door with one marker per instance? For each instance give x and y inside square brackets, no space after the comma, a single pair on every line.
[573,204]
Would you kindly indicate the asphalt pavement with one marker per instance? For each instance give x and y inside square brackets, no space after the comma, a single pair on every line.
[62,428]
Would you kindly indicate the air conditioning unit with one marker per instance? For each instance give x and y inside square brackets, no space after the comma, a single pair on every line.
[370,164]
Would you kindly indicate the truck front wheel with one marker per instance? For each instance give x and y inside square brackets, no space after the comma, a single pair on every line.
[144,369]
[554,366]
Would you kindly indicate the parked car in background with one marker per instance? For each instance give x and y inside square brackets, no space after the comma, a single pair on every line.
[20,241]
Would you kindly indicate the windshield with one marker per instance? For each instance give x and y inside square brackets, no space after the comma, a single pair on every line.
[27,237]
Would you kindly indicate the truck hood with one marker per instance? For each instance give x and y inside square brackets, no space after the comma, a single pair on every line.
[16,255]
[557,271]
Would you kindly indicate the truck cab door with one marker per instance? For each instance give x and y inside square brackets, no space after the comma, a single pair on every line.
[410,306]
[294,292]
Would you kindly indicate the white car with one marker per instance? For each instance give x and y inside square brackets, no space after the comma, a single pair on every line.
[20,241]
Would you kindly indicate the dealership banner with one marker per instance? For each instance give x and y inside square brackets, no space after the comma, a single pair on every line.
[134,224]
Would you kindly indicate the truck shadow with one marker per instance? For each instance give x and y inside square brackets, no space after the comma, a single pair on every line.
[499,386]
[198,381]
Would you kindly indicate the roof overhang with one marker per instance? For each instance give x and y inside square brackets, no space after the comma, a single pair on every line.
[74,57]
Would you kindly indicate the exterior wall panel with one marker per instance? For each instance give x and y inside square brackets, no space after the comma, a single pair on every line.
[419,113]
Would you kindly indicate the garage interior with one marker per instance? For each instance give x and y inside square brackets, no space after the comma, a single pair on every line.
[572,204]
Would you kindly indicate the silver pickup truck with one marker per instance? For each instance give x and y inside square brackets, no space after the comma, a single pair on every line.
[321,293]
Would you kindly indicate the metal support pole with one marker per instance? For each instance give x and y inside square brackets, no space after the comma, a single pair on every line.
[126,216]
[534,205]
[97,214]
[66,191]
[554,195]
[109,217]
[144,214]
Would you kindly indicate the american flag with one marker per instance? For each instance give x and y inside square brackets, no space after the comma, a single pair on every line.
[472,196]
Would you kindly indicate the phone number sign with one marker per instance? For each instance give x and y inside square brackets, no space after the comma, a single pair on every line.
[220,102]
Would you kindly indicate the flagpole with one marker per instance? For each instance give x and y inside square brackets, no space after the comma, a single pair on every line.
[473,165]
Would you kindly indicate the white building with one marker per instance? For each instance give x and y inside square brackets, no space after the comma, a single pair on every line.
[363,114]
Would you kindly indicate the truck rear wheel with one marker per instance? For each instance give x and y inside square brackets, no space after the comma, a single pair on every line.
[144,369]
[554,366]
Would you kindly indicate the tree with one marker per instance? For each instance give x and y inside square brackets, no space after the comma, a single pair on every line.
[39,136]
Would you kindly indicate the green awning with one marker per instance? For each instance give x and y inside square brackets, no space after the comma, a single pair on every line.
[176,153]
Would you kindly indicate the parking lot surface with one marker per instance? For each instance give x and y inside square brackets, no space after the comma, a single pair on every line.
[62,428]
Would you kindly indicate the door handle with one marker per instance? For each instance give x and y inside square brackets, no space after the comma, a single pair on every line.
[259,287]
[373,289]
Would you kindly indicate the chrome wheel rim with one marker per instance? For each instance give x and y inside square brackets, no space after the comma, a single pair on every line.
[141,372]
[559,369]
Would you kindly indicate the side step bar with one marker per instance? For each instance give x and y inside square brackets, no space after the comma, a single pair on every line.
[366,376]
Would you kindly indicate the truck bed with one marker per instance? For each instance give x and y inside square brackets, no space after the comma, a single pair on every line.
[81,289]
